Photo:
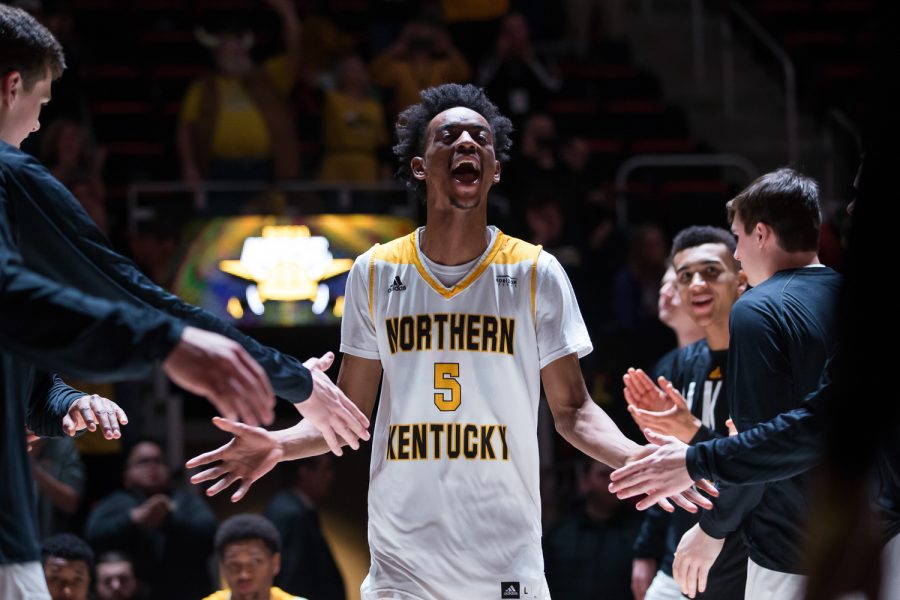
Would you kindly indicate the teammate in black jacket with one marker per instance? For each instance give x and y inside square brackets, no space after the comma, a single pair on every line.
[69,303]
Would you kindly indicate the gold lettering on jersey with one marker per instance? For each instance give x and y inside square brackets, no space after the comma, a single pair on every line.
[403,442]
[454,332]
[487,447]
[436,441]
[502,430]
[419,443]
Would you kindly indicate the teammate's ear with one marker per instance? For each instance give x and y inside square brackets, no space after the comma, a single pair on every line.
[497,171]
[742,282]
[10,87]
[418,167]
[762,232]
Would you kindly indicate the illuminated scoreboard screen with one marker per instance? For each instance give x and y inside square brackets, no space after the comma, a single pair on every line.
[262,271]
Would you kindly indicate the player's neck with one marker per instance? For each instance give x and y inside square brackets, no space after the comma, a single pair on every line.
[686,331]
[795,260]
[785,261]
[5,129]
[454,237]
[717,337]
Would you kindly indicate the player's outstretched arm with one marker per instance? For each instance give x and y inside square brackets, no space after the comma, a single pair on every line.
[584,425]
[253,451]
[579,419]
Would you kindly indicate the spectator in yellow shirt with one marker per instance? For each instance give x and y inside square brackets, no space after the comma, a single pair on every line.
[249,551]
[354,127]
[236,123]
[423,57]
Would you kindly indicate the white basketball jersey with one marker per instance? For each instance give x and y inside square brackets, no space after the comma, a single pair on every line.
[454,502]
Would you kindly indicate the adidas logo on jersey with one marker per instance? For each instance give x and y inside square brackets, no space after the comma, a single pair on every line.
[509,589]
[396,286]
[506,280]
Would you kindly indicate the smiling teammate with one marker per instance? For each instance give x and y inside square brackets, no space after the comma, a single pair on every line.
[709,282]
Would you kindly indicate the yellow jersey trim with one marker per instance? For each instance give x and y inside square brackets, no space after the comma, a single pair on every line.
[397,251]
[515,251]
[505,250]
[372,282]
[534,283]
[468,279]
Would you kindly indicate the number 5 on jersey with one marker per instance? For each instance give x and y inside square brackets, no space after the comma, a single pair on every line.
[450,396]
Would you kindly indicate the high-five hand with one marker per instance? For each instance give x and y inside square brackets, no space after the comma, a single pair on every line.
[250,454]
[330,411]
[658,474]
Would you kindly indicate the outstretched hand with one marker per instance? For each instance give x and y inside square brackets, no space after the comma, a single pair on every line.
[659,473]
[329,409]
[250,454]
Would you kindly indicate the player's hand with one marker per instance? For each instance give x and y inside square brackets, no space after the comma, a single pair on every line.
[250,454]
[641,392]
[330,410]
[694,557]
[676,421]
[687,498]
[690,500]
[643,570]
[90,411]
[659,472]
[219,369]
[152,513]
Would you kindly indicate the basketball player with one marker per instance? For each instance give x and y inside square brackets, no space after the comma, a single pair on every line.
[466,323]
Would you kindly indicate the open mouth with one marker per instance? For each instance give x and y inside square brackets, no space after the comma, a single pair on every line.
[701,302]
[466,171]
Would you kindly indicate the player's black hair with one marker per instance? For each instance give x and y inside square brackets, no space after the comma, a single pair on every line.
[697,235]
[413,123]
